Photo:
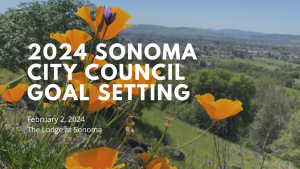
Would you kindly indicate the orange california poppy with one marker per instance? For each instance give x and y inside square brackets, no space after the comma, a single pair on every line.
[15,94]
[94,103]
[110,88]
[219,109]
[78,78]
[72,37]
[95,61]
[47,105]
[159,163]
[142,80]
[117,26]
[98,158]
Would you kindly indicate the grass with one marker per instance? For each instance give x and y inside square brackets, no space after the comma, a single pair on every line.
[9,115]
[7,76]
[151,125]
[276,62]
[251,62]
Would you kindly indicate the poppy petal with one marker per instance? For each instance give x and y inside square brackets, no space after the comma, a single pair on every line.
[85,13]
[106,157]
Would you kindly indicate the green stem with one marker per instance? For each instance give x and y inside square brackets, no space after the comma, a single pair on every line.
[83,124]
[71,126]
[88,60]
[213,122]
[1,115]
[60,161]
[92,135]
[118,139]
[162,136]
[125,139]
[59,156]
[15,118]
[118,116]
[95,119]
[104,34]
[130,114]
[135,105]
[2,91]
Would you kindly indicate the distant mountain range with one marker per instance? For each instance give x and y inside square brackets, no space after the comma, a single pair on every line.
[234,32]
[226,34]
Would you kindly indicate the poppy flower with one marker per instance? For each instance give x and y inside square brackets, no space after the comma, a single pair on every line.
[77,79]
[47,105]
[80,78]
[93,60]
[159,163]
[94,103]
[110,88]
[219,109]
[142,80]
[15,94]
[72,37]
[117,21]
[98,158]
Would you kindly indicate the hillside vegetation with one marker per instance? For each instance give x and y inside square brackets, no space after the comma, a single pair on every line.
[150,124]
[196,32]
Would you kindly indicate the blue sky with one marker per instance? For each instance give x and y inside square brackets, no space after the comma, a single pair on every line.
[267,16]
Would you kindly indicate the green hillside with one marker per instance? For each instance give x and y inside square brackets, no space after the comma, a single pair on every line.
[161,30]
[151,124]
[197,32]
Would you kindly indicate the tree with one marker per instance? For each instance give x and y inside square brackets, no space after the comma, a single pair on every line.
[289,142]
[33,22]
[289,83]
[274,106]
[222,84]
[295,75]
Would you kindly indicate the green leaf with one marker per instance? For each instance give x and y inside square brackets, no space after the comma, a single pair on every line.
[15,82]
[100,27]
[20,123]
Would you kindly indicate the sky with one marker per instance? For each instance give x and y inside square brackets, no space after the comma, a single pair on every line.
[267,16]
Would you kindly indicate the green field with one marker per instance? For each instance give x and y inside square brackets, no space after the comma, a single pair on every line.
[151,124]
[276,62]
[263,62]
[270,67]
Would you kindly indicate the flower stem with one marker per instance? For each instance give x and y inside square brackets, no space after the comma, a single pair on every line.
[95,119]
[115,118]
[137,100]
[162,136]
[213,122]
[90,53]
[104,34]
[71,126]
[15,118]
[130,115]
[125,139]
